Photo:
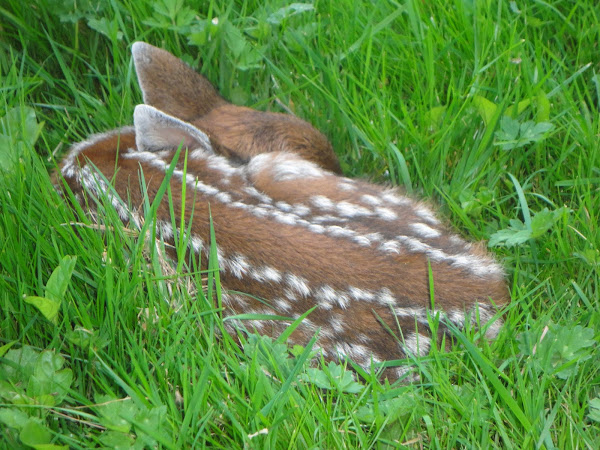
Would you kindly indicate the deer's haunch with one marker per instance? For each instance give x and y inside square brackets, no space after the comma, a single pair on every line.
[290,229]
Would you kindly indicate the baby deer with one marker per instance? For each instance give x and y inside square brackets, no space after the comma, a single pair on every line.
[237,132]
[290,230]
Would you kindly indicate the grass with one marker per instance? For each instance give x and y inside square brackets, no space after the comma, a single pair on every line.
[490,109]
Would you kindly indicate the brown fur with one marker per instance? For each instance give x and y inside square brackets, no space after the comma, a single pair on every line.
[173,87]
[290,231]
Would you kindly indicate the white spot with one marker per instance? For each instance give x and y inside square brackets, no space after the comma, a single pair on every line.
[325,296]
[69,170]
[386,297]
[390,247]
[425,231]
[360,294]
[492,329]
[288,219]
[317,348]
[362,240]
[283,166]
[223,197]
[257,211]
[253,192]
[457,317]
[220,164]
[226,298]
[414,245]
[308,324]
[189,178]
[347,209]
[258,325]
[416,344]
[456,240]
[165,229]
[337,231]
[298,284]
[374,237]
[337,323]
[374,359]
[342,300]
[395,199]
[142,156]
[283,206]
[282,304]
[347,185]
[315,228]
[198,154]
[239,205]
[386,213]
[290,295]
[266,273]
[295,168]
[325,332]
[426,214]
[371,200]
[419,314]
[401,371]
[301,210]
[238,265]
[362,337]
[197,244]
[136,219]
[356,352]
[322,202]
[241,300]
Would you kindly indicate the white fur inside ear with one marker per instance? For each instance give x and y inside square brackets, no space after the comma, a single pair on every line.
[155,131]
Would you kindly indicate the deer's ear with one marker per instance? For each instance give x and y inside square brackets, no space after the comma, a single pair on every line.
[155,130]
[170,85]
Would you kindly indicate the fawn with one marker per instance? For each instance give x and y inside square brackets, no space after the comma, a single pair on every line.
[289,228]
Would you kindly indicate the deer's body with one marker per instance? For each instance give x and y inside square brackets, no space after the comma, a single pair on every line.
[289,229]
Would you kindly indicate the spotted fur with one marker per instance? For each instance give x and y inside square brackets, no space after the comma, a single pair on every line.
[292,232]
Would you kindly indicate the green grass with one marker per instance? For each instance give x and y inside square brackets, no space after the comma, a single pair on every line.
[438,97]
